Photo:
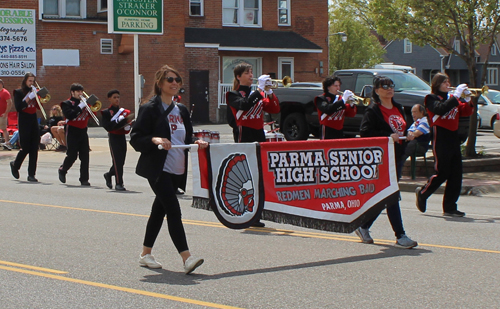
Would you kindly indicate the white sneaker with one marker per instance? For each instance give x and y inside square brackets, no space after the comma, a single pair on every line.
[191,264]
[148,261]
[405,242]
[364,235]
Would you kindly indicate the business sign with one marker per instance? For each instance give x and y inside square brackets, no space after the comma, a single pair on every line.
[17,42]
[335,185]
[135,16]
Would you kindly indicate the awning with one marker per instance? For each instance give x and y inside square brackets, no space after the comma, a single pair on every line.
[245,39]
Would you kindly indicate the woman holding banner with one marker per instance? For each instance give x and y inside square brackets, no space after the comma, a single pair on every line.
[385,117]
[163,122]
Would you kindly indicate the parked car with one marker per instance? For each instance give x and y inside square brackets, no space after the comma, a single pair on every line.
[488,106]
[299,118]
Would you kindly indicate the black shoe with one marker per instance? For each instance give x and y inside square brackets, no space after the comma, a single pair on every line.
[179,191]
[107,177]
[421,202]
[32,179]
[258,224]
[120,188]
[62,175]
[454,213]
[15,172]
[85,183]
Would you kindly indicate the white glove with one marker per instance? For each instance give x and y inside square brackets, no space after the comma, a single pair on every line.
[269,91]
[348,97]
[120,118]
[262,81]
[460,89]
[32,95]
[467,99]
[127,127]
[82,104]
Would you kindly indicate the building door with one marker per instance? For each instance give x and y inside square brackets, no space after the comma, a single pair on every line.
[198,98]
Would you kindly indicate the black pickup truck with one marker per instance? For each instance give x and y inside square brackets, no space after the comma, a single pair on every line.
[298,117]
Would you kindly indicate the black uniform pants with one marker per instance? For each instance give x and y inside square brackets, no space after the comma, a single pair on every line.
[249,135]
[448,166]
[77,142]
[330,133]
[118,147]
[29,139]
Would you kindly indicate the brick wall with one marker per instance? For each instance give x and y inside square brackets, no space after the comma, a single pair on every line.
[100,73]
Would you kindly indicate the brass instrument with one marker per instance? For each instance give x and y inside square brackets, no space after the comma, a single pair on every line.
[93,101]
[357,100]
[286,82]
[95,105]
[34,90]
[469,92]
[43,93]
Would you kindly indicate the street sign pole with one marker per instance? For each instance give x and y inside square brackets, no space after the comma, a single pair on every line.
[135,17]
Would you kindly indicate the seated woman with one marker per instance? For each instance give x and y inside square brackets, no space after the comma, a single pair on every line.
[55,125]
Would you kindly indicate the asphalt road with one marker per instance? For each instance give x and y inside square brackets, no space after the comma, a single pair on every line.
[66,246]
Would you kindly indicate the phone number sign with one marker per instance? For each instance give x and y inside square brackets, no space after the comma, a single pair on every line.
[17,42]
[135,16]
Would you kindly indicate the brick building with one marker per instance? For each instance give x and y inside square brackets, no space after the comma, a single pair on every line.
[203,39]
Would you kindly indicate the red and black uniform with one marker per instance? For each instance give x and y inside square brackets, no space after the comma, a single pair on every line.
[248,112]
[444,111]
[29,131]
[331,113]
[117,141]
[77,139]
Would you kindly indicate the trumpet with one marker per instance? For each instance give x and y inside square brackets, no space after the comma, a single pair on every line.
[94,102]
[43,93]
[286,82]
[357,100]
[469,92]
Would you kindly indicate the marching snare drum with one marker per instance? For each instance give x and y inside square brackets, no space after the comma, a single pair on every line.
[214,137]
[274,137]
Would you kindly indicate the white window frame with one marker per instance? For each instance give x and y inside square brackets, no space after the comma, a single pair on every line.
[109,41]
[493,50]
[492,76]
[288,13]
[408,46]
[241,15]
[456,46]
[202,5]
[283,60]
[62,10]
[256,70]
[99,5]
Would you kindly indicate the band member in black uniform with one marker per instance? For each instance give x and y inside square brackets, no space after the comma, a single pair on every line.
[333,107]
[116,120]
[444,111]
[163,122]
[29,134]
[77,139]
[246,115]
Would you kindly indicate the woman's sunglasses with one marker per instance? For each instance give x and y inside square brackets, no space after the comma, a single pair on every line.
[171,79]
[392,86]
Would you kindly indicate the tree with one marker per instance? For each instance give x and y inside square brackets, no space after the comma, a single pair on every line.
[437,23]
[361,50]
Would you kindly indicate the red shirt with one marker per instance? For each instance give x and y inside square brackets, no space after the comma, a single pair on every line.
[4,96]
[395,120]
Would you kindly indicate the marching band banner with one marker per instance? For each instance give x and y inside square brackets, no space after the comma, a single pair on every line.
[334,185]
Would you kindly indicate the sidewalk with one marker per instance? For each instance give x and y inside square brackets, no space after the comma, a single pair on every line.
[479,182]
